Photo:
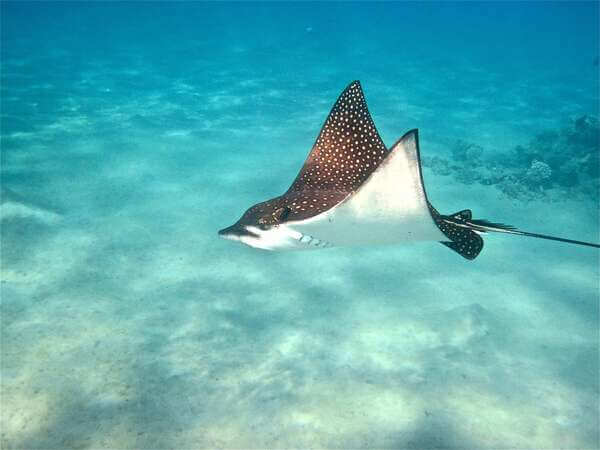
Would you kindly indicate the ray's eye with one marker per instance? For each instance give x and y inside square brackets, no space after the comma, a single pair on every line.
[281,214]
[272,220]
[263,223]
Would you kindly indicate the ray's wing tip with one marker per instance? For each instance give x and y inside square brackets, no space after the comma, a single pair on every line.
[352,84]
[414,131]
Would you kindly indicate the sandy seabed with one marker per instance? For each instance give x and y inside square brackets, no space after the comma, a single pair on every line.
[128,324]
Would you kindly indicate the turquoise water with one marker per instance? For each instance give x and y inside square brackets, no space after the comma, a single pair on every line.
[132,132]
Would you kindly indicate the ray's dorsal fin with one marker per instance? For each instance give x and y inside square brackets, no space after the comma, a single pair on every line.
[347,150]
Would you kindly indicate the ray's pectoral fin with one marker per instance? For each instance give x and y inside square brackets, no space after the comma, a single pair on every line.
[467,244]
[464,241]
[347,150]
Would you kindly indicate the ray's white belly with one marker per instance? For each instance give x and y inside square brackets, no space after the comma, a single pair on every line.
[351,224]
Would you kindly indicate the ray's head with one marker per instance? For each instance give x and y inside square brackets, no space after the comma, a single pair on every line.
[261,226]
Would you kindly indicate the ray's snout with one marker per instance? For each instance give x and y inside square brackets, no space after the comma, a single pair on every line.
[235,232]
[231,232]
[225,231]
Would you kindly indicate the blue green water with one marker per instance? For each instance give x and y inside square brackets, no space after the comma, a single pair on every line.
[132,132]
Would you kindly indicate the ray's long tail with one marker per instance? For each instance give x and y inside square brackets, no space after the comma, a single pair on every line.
[463,232]
[484,226]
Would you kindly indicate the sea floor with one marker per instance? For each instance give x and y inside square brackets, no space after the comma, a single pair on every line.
[127,323]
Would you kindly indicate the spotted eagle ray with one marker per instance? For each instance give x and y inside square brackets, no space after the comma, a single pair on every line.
[352,191]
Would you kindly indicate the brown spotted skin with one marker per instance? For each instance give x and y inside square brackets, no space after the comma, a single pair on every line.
[463,241]
[347,150]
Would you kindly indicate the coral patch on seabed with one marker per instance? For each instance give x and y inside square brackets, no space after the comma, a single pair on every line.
[553,165]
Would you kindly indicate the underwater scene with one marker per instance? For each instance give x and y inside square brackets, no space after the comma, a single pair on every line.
[132,132]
